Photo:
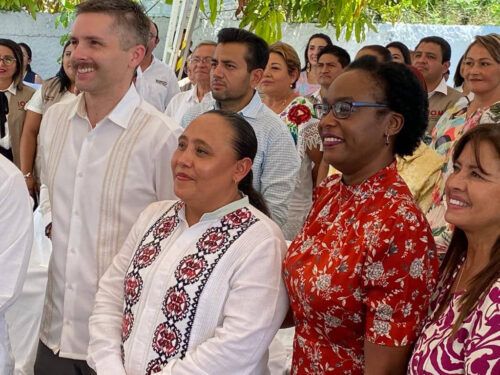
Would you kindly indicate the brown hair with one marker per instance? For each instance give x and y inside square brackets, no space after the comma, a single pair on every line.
[491,42]
[129,17]
[290,56]
[482,282]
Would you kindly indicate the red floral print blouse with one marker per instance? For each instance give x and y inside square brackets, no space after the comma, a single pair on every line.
[363,268]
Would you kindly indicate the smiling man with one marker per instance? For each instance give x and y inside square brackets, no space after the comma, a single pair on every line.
[106,156]
[237,67]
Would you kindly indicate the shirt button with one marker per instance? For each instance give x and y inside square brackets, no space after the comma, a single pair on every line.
[76,213]
[80,174]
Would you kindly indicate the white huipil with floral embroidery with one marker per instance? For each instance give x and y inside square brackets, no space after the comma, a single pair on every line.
[200,299]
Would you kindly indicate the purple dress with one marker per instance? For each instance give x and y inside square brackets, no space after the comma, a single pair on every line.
[474,349]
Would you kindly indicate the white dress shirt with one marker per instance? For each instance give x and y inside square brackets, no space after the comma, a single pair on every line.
[98,181]
[441,88]
[226,273]
[157,84]
[16,223]
[183,101]
[5,141]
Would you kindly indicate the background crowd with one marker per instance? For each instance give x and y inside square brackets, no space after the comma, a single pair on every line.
[351,200]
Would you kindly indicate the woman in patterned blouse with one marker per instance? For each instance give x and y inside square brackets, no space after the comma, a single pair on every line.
[277,85]
[462,333]
[360,274]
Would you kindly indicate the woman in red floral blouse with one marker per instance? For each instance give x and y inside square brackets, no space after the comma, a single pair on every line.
[360,273]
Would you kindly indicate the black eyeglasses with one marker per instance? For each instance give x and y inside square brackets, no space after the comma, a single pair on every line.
[343,109]
[7,60]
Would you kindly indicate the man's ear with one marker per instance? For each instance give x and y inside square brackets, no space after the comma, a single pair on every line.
[446,67]
[255,77]
[137,54]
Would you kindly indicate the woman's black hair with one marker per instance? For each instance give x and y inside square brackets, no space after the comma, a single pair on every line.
[404,94]
[64,80]
[17,78]
[405,51]
[325,37]
[245,146]
[30,54]
[458,80]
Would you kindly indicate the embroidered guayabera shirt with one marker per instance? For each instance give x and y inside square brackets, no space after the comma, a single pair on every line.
[98,181]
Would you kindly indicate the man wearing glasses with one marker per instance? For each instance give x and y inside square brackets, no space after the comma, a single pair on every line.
[199,63]
[156,81]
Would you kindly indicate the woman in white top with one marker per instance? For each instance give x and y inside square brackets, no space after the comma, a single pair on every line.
[56,89]
[196,288]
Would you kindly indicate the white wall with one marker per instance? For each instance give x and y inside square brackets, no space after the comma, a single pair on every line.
[43,37]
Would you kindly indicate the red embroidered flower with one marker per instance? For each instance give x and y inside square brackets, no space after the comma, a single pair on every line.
[299,114]
[176,304]
[166,340]
[190,268]
[127,323]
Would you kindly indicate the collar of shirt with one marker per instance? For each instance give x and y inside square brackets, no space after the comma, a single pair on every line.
[441,88]
[12,90]
[252,109]
[220,212]
[317,95]
[120,114]
[193,97]
[364,189]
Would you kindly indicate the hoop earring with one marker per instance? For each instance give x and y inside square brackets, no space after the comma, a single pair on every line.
[387,139]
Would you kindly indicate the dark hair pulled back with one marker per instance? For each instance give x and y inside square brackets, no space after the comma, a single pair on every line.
[245,146]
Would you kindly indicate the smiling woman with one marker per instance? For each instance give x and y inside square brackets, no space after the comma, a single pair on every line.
[463,329]
[360,273]
[482,75]
[197,287]
[13,97]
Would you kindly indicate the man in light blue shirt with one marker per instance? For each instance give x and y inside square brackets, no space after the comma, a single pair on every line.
[237,67]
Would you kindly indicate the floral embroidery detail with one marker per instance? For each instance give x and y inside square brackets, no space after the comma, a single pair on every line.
[171,337]
[145,255]
[299,113]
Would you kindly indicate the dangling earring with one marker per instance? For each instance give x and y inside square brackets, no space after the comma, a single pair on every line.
[308,66]
[387,139]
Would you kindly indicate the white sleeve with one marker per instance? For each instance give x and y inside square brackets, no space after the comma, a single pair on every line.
[35,104]
[164,181]
[105,324]
[16,223]
[255,308]
[44,202]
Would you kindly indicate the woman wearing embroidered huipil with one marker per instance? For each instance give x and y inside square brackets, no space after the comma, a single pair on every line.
[462,333]
[360,274]
[482,75]
[277,85]
[197,287]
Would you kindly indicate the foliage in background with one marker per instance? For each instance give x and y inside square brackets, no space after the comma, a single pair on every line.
[354,17]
